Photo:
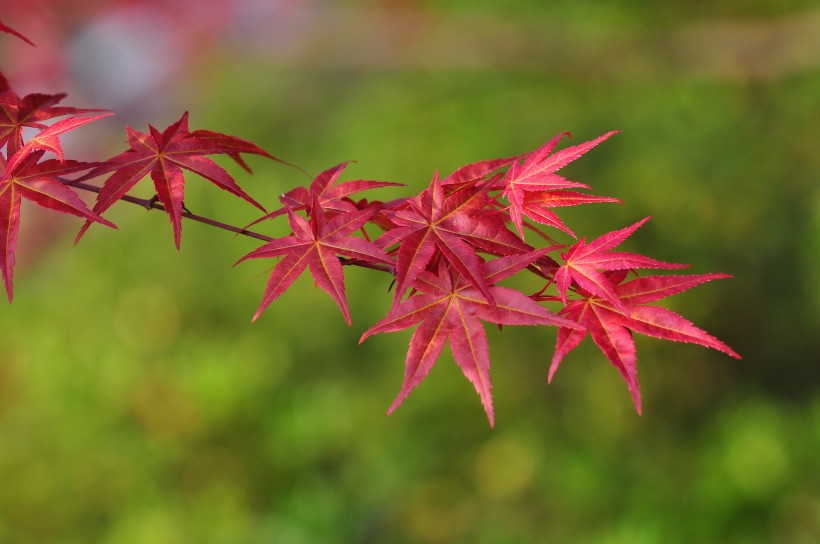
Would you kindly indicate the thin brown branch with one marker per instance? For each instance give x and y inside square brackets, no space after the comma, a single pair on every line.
[150,203]
[154,204]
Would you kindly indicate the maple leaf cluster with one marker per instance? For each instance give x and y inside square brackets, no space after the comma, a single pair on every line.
[449,247]
[446,249]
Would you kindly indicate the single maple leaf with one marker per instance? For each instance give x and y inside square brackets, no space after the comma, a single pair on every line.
[164,155]
[333,198]
[447,306]
[317,244]
[24,177]
[537,173]
[609,324]
[9,30]
[453,225]
[584,264]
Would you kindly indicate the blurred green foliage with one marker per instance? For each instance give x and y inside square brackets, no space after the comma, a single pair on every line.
[139,405]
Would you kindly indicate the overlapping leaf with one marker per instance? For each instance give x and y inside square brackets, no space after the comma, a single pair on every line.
[316,244]
[164,155]
[584,264]
[24,177]
[453,225]
[448,307]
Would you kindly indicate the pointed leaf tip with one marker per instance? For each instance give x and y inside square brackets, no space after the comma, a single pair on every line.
[9,30]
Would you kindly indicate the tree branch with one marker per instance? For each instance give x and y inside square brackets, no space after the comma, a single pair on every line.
[154,204]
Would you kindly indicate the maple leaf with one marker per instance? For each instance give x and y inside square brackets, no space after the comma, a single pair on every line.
[24,177]
[330,196]
[537,173]
[447,306]
[164,155]
[453,225]
[609,324]
[316,244]
[585,263]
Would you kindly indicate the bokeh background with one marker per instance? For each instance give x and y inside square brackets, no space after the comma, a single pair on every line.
[138,405]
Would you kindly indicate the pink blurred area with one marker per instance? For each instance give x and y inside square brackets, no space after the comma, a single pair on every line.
[119,54]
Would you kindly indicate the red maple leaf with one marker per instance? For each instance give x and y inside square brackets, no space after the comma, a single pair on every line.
[447,306]
[455,226]
[317,244]
[29,111]
[164,155]
[610,324]
[537,173]
[22,176]
[332,197]
[584,264]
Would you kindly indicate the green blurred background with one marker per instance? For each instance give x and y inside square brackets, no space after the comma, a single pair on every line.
[138,405]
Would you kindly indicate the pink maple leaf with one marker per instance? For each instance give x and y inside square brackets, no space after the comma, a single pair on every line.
[317,245]
[537,173]
[610,324]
